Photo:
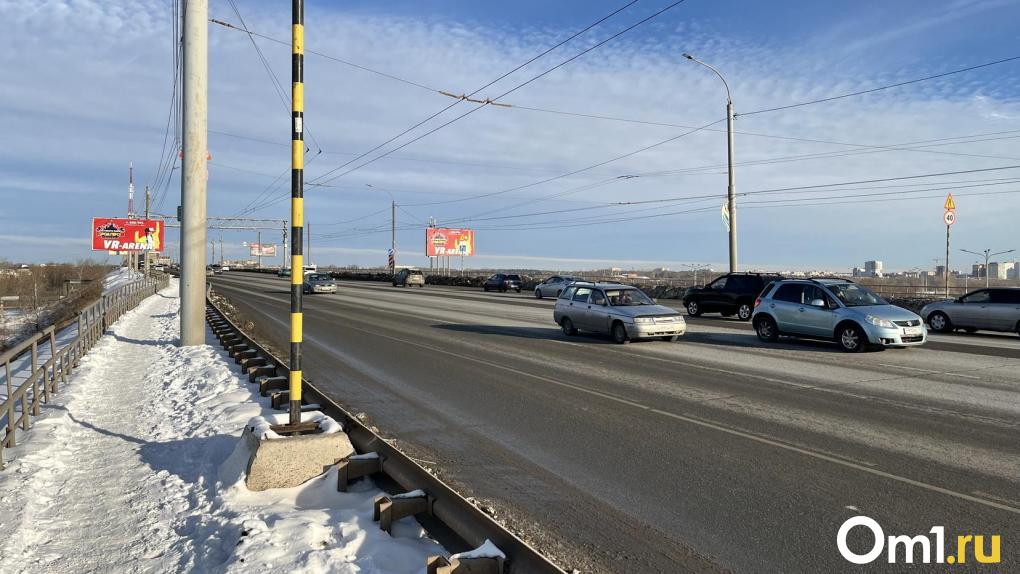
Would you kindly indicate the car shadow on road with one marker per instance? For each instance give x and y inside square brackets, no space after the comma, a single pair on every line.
[537,333]
[751,341]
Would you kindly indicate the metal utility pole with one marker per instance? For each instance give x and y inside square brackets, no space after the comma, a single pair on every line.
[308,252]
[731,199]
[258,254]
[148,205]
[195,108]
[222,257]
[297,206]
[987,254]
[393,235]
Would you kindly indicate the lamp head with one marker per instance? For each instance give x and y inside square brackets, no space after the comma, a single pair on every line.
[688,56]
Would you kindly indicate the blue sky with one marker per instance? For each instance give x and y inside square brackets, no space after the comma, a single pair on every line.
[95,94]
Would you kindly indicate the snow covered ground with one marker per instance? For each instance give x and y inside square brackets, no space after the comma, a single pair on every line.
[120,277]
[135,467]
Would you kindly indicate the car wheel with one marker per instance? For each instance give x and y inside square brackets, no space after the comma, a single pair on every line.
[485,288]
[518,289]
[744,311]
[766,329]
[693,309]
[538,293]
[939,322]
[568,326]
[852,339]
[671,338]
[619,333]
[422,286]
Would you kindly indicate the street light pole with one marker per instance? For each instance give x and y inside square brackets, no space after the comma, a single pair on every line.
[731,199]
[987,254]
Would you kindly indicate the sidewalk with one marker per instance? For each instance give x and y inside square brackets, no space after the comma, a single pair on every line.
[131,469]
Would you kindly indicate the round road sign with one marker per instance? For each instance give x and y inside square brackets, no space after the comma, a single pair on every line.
[949,217]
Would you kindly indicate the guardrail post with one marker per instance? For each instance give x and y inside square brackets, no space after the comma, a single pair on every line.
[11,427]
[35,383]
[53,363]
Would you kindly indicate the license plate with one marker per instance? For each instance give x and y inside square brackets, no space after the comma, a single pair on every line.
[911,331]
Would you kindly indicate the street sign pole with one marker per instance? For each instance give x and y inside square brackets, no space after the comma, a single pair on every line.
[949,218]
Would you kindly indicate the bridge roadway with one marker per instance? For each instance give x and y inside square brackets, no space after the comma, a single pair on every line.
[711,454]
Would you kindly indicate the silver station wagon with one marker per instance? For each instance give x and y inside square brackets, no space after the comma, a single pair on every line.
[621,311]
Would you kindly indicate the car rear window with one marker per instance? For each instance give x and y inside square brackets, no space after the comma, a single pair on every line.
[568,293]
[1005,295]
[416,272]
[581,295]
[514,277]
[790,292]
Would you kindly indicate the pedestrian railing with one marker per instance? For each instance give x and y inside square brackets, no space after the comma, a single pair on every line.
[34,369]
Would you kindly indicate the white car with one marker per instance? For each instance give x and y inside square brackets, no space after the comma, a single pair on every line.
[621,311]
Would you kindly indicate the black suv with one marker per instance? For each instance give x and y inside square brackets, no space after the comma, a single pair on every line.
[731,294]
[503,282]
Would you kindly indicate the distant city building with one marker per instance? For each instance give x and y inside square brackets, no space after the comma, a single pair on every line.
[871,269]
[977,270]
[997,270]
[940,271]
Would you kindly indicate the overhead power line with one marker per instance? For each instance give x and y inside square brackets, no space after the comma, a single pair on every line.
[880,88]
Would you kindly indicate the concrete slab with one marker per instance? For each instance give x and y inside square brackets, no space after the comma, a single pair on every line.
[286,461]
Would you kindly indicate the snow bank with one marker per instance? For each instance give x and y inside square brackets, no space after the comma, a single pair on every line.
[138,466]
[262,425]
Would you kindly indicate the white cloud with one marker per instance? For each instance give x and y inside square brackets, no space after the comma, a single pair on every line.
[99,96]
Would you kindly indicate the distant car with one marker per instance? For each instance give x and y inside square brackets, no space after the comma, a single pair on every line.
[319,283]
[731,294]
[835,309]
[503,282]
[224,268]
[553,286]
[209,272]
[620,311]
[409,278]
[996,309]
[283,272]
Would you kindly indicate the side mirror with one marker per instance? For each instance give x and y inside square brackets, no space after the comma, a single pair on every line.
[818,303]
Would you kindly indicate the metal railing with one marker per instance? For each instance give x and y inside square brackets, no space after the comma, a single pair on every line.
[40,375]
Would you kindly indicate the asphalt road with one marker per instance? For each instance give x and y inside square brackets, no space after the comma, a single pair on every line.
[714,453]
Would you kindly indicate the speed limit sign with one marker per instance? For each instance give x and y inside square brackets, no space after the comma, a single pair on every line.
[949,217]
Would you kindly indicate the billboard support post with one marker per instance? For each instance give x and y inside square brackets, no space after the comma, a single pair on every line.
[258,260]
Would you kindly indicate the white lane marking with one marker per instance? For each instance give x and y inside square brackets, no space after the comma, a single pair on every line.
[998,498]
[854,508]
[714,426]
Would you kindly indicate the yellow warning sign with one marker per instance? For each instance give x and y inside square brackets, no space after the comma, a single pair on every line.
[950,204]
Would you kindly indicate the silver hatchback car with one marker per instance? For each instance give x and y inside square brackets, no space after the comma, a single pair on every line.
[319,283]
[834,309]
[553,286]
[996,309]
[621,311]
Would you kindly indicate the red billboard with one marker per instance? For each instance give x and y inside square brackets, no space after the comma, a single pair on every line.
[132,235]
[262,250]
[440,241]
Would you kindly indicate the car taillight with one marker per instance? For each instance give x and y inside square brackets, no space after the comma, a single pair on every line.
[757,302]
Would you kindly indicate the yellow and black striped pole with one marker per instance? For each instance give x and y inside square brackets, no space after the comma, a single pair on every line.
[297,206]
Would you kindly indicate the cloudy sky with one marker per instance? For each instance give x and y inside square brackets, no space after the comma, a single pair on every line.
[88,86]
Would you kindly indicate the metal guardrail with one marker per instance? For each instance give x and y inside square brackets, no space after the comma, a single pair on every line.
[461,516]
[24,399]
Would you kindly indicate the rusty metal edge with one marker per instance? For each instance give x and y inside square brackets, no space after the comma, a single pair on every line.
[455,511]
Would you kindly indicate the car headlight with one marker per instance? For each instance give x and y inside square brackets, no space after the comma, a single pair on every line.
[879,322]
[644,320]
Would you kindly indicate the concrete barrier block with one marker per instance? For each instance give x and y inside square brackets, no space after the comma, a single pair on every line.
[240,356]
[236,348]
[280,400]
[287,461]
[249,362]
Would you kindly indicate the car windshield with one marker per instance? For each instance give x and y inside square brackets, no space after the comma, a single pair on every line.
[853,295]
[315,277]
[627,297]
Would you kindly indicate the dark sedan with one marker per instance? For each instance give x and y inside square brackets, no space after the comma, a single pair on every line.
[503,282]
